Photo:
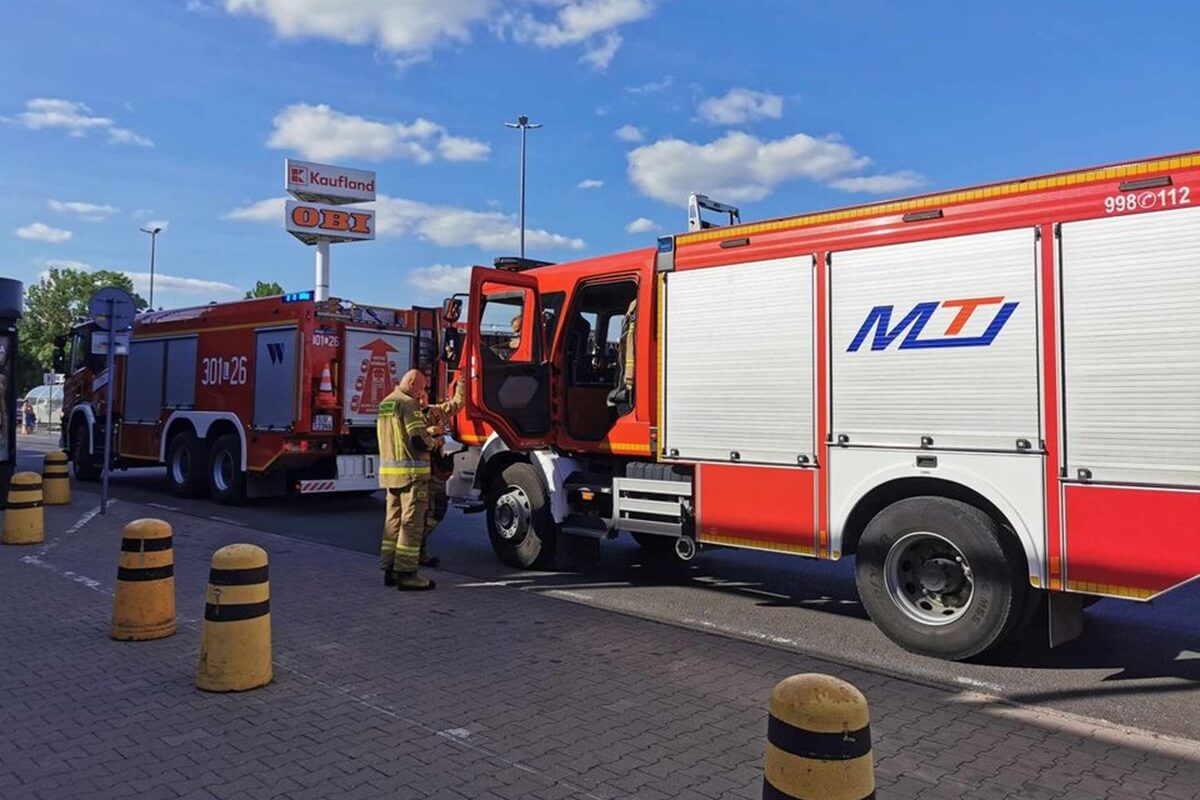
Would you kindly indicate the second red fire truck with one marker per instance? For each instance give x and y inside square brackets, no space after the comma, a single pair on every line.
[991,397]
[249,399]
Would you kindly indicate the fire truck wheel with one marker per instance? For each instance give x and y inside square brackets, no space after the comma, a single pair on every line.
[522,532]
[226,481]
[940,577]
[87,466]
[185,464]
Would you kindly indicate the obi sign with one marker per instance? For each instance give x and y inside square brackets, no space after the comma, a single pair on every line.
[313,222]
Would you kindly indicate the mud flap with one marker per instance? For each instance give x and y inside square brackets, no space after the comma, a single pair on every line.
[1066,617]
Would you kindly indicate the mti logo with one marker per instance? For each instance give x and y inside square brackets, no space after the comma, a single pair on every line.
[880,317]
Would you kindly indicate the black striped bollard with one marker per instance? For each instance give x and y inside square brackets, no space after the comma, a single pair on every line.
[235,647]
[24,518]
[56,479]
[818,741]
[144,602]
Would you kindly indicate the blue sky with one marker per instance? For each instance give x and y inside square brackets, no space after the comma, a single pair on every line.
[123,112]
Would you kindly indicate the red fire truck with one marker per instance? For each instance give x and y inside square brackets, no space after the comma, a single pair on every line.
[991,397]
[249,399]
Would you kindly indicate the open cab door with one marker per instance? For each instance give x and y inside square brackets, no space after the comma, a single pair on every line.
[508,358]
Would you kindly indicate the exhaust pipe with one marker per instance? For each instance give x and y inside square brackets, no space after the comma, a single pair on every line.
[685,548]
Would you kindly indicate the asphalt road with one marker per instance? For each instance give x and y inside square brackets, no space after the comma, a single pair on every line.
[1136,664]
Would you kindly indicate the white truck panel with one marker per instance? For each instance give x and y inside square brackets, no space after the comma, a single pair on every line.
[739,344]
[1013,482]
[907,364]
[375,362]
[1131,347]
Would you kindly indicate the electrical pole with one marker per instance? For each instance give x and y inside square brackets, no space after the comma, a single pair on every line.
[523,124]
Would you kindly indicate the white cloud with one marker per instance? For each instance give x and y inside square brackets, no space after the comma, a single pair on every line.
[89,211]
[738,166]
[458,148]
[628,133]
[322,133]
[126,136]
[740,105]
[75,118]
[589,183]
[40,232]
[880,184]
[441,279]
[599,56]
[652,87]
[642,225]
[174,284]
[269,210]
[410,30]
[493,231]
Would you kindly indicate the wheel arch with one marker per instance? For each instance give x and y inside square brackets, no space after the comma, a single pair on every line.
[878,497]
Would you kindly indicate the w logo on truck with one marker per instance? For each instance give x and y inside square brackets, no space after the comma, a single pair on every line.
[879,320]
[275,351]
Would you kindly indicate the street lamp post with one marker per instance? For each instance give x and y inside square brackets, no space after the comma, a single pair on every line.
[523,124]
[154,232]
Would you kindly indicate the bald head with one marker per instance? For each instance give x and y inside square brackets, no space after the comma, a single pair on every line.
[413,383]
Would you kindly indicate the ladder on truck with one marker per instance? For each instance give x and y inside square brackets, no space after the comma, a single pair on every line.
[699,202]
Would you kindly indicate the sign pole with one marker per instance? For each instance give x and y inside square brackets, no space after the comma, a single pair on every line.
[322,283]
[108,404]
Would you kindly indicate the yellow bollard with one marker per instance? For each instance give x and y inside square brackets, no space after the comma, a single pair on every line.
[56,479]
[144,603]
[24,519]
[818,741]
[235,647]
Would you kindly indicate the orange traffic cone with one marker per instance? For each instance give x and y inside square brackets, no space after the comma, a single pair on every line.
[325,396]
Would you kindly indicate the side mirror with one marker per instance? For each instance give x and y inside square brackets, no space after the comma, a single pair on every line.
[59,360]
[451,309]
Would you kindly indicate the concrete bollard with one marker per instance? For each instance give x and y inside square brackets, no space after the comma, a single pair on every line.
[56,479]
[144,602]
[818,741]
[235,647]
[24,518]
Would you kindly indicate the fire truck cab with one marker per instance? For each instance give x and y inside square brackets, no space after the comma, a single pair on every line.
[988,396]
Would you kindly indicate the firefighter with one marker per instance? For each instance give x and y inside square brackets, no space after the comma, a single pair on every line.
[404,447]
[621,397]
[442,465]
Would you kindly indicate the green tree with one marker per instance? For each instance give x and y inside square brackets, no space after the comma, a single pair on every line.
[52,305]
[263,289]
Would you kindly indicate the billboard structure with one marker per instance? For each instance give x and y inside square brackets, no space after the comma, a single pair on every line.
[11,295]
[318,215]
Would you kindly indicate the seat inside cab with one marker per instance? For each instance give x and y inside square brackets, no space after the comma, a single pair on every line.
[593,364]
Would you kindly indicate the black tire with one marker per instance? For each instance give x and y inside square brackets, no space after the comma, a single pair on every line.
[226,480]
[923,533]
[520,527]
[185,465]
[87,466]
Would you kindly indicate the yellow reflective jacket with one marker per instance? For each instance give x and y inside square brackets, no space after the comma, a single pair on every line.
[401,461]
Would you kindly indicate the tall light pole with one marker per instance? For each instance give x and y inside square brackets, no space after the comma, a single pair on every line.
[523,124]
[154,232]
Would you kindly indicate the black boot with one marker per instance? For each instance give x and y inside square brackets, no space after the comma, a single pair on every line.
[389,578]
[412,582]
[430,561]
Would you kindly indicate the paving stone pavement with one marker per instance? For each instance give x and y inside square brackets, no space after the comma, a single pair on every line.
[473,691]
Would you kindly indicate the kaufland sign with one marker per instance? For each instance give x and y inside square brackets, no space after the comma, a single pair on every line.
[324,183]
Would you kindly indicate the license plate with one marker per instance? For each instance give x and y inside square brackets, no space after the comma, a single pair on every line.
[323,422]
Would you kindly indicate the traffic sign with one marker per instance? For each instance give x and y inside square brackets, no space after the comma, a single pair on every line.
[112,309]
[100,343]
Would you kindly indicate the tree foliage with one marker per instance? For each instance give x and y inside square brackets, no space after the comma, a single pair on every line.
[53,304]
[264,289]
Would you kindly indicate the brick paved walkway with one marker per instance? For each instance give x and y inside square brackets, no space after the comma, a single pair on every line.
[473,691]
